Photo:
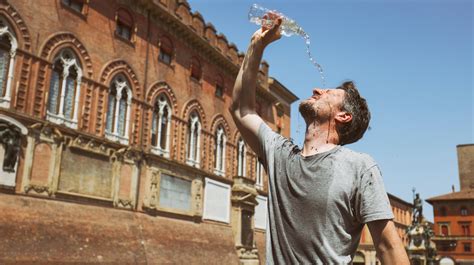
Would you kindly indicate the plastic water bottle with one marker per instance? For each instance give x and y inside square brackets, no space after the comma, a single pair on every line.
[288,26]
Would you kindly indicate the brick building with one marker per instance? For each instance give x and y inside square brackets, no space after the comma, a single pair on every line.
[117,145]
[454,214]
[402,211]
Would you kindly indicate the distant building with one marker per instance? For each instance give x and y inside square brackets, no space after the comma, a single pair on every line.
[454,214]
[402,211]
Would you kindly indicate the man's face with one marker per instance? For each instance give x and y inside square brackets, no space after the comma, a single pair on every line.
[322,105]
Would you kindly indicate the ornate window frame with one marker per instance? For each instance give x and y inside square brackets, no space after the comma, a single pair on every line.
[122,85]
[194,137]
[68,60]
[161,104]
[220,154]
[5,30]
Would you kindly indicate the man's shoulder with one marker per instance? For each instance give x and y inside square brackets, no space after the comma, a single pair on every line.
[356,159]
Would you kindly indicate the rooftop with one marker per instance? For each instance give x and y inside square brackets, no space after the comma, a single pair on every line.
[453,196]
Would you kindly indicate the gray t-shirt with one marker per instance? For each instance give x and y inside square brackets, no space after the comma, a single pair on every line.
[318,204]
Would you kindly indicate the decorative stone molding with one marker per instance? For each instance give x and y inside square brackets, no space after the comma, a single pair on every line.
[151,197]
[90,145]
[197,194]
[248,256]
[123,203]
[116,66]
[46,131]
[220,120]
[128,154]
[192,105]
[67,39]
[38,189]
[244,192]
[162,87]
[16,21]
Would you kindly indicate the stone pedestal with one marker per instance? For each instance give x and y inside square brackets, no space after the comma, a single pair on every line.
[421,250]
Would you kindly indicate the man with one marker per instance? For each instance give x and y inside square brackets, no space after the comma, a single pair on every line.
[321,196]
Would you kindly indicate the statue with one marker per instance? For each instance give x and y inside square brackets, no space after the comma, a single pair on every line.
[10,138]
[417,209]
[421,249]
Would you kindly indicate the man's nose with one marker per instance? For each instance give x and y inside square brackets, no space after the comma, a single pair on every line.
[319,91]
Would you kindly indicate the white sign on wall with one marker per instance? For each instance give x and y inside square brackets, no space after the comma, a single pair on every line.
[261,213]
[216,201]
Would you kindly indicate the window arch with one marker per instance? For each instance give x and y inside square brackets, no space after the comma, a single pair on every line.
[8,47]
[118,110]
[124,24]
[64,89]
[194,135]
[219,152]
[241,157]
[196,69]
[160,126]
[166,50]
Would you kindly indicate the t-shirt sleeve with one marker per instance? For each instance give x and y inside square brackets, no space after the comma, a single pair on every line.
[372,202]
[269,140]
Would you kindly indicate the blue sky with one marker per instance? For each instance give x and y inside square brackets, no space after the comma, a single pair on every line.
[411,59]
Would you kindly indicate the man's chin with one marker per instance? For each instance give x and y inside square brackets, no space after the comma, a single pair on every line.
[306,109]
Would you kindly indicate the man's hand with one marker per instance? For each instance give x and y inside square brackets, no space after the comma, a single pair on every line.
[269,32]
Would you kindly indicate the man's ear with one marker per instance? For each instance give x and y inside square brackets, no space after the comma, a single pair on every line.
[343,117]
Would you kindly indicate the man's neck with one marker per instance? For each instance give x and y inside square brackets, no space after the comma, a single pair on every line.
[319,138]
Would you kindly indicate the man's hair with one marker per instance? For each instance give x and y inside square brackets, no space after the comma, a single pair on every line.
[356,105]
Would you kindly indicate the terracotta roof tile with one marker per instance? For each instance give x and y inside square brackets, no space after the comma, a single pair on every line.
[459,195]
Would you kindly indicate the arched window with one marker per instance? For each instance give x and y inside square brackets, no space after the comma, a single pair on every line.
[118,110]
[219,87]
[64,89]
[220,151]
[196,70]
[241,158]
[8,46]
[194,135]
[259,175]
[124,24]
[160,126]
[166,50]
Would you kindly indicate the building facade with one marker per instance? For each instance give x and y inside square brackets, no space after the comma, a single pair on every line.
[454,214]
[117,142]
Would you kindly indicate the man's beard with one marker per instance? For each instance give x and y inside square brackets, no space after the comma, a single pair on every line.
[312,112]
[307,111]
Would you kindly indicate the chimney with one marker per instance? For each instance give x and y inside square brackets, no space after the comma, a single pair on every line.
[452,188]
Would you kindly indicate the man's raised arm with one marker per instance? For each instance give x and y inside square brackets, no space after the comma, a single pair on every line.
[243,99]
